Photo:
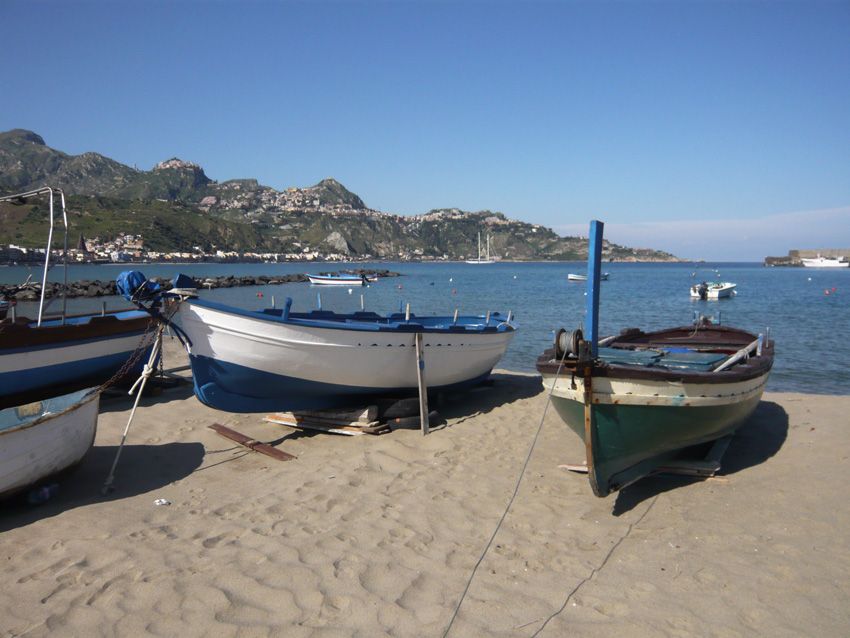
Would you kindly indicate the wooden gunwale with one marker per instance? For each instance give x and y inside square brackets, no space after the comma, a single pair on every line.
[713,339]
[21,334]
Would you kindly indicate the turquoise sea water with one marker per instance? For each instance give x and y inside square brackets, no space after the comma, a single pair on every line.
[811,328]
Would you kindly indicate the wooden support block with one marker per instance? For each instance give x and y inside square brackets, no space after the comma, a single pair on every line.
[359,415]
[252,444]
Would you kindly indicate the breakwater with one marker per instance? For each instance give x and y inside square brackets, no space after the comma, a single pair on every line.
[97,288]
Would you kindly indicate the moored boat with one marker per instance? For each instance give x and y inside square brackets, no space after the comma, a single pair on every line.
[575,277]
[713,290]
[825,262]
[639,398]
[50,355]
[44,438]
[274,359]
[341,279]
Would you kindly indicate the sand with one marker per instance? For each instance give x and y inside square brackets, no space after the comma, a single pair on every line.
[378,535]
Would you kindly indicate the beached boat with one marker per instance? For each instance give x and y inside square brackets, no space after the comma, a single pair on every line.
[639,398]
[274,359]
[574,277]
[341,279]
[481,261]
[48,356]
[713,290]
[41,439]
[825,262]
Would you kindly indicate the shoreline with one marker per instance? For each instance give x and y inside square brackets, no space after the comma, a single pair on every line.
[378,535]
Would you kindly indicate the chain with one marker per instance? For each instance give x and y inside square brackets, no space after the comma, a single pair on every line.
[155,325]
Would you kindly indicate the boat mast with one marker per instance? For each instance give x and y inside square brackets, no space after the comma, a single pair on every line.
[479,245]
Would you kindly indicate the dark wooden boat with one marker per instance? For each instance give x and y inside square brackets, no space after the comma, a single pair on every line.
[640,398]
[652,394]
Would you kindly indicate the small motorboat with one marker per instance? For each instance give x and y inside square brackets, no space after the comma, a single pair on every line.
[41,439]
[713,290]
[340,279]
[574,277]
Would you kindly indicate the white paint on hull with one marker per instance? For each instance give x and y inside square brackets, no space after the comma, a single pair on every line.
[607,390]
[49,444]
[363,359]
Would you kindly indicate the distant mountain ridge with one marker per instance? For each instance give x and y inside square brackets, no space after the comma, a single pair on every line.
[176,206]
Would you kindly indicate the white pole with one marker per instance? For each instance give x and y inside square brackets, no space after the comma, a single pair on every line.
[46,260]
[150,366]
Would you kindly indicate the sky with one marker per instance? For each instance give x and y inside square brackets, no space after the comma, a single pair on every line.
[712,130]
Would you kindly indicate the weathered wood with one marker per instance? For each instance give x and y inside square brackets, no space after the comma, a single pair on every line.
[358,416]
[252,444]
[377,428]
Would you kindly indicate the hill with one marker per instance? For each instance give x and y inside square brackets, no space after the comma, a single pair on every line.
[175,207]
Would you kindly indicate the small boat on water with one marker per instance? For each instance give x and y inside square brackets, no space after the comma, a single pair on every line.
[275,359]
[41,439]
[341,279]
[713,290]
[825,262]
[49,355]
[574,277]
[638,399]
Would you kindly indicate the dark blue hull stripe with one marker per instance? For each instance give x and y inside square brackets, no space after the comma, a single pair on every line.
[67,374]
[234,388]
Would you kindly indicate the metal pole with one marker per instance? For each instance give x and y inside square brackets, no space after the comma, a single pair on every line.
[46,260]
[64,258]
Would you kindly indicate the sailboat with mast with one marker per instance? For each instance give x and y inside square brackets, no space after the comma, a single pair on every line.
[479,260]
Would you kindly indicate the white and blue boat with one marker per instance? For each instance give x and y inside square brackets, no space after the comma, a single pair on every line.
[274,359]
[51,355]
[340,279]
[41,439]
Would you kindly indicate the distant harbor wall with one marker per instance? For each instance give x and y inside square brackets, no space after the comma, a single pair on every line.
[794,257]
[89,288]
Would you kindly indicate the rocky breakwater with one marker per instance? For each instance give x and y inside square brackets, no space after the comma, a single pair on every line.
[88,288]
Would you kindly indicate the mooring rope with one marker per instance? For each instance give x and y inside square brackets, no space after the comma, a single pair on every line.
[511,501]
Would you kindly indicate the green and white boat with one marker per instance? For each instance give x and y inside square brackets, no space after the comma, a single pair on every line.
[638,399]
[647,396]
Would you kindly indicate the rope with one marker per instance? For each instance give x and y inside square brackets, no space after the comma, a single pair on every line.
[511,501]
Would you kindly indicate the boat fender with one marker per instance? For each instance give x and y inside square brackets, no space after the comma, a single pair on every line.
[567,343]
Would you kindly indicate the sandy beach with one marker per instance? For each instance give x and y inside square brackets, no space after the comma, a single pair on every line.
[379,535]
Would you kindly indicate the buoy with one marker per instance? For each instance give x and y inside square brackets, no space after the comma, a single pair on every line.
[350,291]
[259,294]
[399,286]
[810,278]
[826,292]
[514,276]
[451,279]
[454,291]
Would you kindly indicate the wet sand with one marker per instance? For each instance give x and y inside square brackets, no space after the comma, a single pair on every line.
[378,535]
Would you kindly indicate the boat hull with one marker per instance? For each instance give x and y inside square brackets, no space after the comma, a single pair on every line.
[243,362]
[317,280]
[53,439]
[715,291]
[639,424]
[39,362]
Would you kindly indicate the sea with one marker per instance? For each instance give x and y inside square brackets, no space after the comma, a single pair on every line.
[806,311]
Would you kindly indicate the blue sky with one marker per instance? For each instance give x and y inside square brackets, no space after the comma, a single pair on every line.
[669,121]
